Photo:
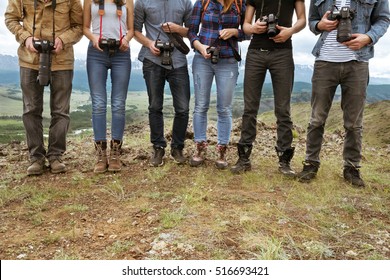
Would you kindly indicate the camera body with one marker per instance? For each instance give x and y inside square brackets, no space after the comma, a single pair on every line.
[344,29]
[271,21]
[111,44]
[214,54]
[44,47]
[166,49]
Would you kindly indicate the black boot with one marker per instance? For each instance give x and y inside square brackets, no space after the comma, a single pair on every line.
[284,161]
[243,163]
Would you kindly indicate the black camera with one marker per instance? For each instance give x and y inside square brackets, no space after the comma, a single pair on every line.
[271,21]
[111,44]
[344,29]
[166,49]
[44,47]
[214,54]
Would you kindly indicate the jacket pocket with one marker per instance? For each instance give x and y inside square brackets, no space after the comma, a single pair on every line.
[365,7]
[62,15]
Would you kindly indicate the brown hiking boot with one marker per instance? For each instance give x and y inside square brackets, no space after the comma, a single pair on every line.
[114,163]
[221,162]
[156,159]
[199,156]
[36,167]
[57,166]
[101,157]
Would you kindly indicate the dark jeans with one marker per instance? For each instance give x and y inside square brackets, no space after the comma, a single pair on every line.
[179,83]
[280,64]
[352,76]
[60,91]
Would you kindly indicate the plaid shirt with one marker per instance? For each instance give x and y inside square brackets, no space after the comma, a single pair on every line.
[212,22]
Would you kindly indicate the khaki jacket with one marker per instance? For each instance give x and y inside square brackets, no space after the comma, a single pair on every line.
[68,19]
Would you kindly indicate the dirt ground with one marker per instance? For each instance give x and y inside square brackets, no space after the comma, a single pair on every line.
[179,212]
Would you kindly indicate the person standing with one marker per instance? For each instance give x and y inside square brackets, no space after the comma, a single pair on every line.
[270,49]
[216,54]
[162,62]
[348,31]
[46,32]
[109,49]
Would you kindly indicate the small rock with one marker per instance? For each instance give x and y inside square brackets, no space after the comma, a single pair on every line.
[21,256]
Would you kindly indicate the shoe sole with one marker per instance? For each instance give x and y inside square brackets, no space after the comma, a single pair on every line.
[58,171]
[241,171]
[356,186]
[34,173]
[288,174]
[196,163]
[156,165]
[221,167]
[178,162]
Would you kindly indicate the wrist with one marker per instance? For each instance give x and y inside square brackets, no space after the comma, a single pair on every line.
[317,27]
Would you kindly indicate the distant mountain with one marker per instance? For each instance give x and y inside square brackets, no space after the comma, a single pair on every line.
[9,75]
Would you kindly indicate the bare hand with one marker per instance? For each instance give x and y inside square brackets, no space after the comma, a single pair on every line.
[124,45]
[204,52]
[259,27]
[95,42]
[227,33]
[58,46]
[284,34]
[327,25]
[29,44]
[169,27]
[358,41]
[155,51]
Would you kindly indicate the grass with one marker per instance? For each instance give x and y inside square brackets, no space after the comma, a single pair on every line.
[256,215]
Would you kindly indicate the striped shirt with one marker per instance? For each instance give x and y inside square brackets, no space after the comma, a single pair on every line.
[332,50]
[212,22]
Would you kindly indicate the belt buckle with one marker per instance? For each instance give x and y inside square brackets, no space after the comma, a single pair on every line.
[263,50]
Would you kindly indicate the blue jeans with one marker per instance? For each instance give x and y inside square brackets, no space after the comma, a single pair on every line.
[60,91]
[280,64]
[179,83]
[226,74]
[98,64]
[352,76]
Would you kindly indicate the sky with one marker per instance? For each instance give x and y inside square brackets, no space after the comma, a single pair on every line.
[303,43]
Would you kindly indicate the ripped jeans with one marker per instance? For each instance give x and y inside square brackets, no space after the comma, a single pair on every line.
[226,74]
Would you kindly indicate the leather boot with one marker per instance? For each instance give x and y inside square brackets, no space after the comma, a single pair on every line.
[36,167]
[284,161]
[114,163]
[243,163]
[101,157]
[221,162]
[199,156]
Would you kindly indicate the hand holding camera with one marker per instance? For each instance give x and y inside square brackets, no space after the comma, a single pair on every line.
[271,21]
[214,52]
[325,24]
[344,28]
[166,49]
[44,48]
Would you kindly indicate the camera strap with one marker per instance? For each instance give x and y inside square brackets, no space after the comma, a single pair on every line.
[177,41]
[262,8]
[119,14]
[53,6]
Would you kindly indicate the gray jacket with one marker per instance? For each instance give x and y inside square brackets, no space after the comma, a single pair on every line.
[371,18]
